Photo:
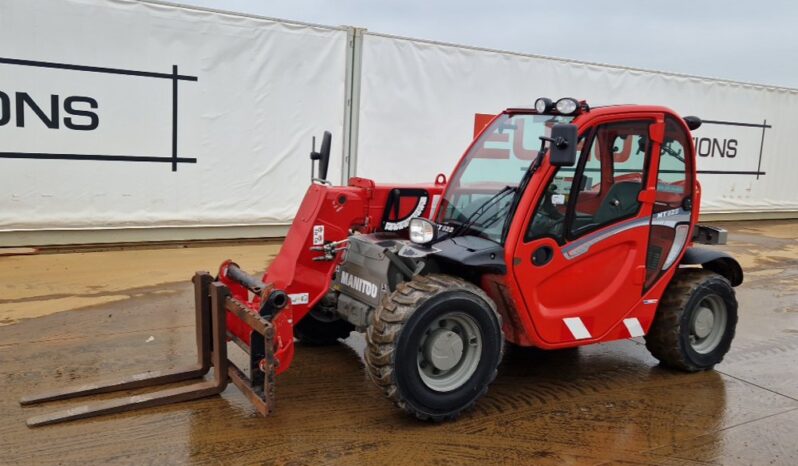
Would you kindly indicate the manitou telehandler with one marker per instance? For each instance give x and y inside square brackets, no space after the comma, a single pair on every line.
[562,225]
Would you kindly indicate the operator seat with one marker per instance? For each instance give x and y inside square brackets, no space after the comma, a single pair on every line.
[620,201]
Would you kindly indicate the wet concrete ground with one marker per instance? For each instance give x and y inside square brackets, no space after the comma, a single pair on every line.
[71,318]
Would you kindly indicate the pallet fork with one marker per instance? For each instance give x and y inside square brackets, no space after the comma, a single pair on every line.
[213,301]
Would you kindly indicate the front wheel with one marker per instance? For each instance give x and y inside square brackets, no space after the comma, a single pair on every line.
[434,346]
[695,322]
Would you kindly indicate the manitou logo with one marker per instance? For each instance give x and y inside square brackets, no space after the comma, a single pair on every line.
[358,284]
[77,113]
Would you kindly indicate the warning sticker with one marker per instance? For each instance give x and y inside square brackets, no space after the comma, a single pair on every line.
[299,298]
[318,235]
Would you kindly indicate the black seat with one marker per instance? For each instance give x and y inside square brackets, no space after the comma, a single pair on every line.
[621,201]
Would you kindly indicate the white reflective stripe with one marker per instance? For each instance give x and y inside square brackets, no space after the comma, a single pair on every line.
[634,327]
[650,301]
[577,328]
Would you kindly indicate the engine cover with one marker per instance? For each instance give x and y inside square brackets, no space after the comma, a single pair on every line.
[366,274]
[363,274]
[376,263]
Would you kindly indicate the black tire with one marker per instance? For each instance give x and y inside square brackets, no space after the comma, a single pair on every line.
[669,338]
[394,337]
[321,327]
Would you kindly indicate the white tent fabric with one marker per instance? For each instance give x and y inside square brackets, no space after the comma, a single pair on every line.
[262,90]
[120,113]
[418,101]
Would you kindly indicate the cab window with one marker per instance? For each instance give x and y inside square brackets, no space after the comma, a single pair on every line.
[673,184]
[550,211]
[602,188]
[618,151]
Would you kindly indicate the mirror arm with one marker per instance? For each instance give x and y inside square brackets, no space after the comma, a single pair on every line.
[560,143]
[543,140]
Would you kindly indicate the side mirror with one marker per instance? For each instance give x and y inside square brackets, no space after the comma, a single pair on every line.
[323,156]
[562,150]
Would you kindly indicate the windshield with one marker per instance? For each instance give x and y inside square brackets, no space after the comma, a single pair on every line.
[481,192]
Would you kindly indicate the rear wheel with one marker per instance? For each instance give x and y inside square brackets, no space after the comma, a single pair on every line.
[695,322]
[322,326]
[434,346]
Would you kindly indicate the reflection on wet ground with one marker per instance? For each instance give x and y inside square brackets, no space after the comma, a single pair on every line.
[599,404]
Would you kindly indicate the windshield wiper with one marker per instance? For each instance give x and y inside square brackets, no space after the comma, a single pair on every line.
[533,167]
[677,155]
[480,211]
[496,217]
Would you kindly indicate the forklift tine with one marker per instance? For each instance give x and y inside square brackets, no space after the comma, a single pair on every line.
[202,281]
[145,379]
[162,397]
[218,297]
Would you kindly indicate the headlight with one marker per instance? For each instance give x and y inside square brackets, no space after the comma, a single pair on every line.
[567,106]
[542,105]
[422,231]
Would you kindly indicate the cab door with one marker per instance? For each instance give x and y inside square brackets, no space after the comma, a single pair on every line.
[580,264]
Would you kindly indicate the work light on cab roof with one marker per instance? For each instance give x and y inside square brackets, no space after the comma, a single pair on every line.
[564,106]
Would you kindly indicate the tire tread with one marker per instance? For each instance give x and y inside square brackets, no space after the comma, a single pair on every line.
[662,339]
[386,325]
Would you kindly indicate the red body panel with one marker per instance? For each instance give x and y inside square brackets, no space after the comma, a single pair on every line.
[326,214]
[602,287]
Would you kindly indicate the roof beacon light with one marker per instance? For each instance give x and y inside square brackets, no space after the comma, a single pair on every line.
[543,105]
[567,106]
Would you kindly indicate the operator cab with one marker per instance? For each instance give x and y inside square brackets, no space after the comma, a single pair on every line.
[561,196]
[473,220]
[562,182]
[487,185]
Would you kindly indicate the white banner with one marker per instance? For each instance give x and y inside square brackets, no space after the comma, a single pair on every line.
[418,101]
[118,113]
[121,113]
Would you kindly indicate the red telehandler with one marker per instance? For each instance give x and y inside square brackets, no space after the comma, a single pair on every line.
[562,225]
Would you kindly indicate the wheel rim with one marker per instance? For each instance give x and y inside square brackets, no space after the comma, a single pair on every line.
[707,324]
[449,352]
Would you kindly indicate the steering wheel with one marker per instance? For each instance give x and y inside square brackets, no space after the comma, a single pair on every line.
[548,219]
[548,207]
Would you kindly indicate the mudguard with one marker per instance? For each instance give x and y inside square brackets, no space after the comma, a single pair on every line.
[717,261]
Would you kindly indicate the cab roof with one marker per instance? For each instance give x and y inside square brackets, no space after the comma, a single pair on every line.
[585,112]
